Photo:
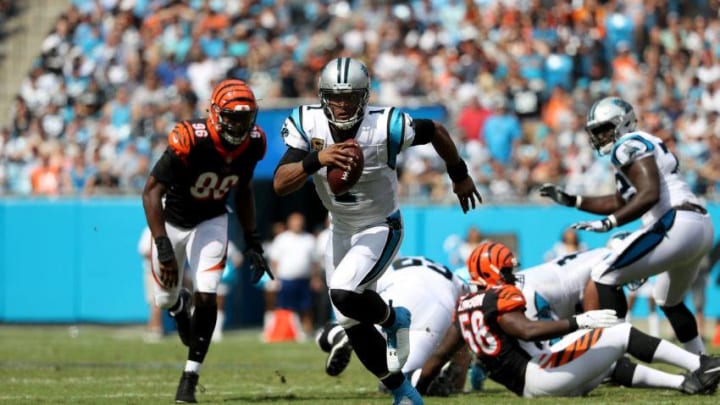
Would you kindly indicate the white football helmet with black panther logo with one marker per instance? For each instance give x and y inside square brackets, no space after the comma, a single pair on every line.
[608,120]
[344,90]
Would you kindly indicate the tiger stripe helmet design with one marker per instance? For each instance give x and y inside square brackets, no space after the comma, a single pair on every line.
[233,110]
[491,264]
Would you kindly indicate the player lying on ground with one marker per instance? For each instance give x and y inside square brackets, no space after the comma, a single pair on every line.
[492,320]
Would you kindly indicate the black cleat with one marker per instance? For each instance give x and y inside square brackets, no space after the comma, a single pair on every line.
[708,373]
[182,318]
[691,384]
[186,389]
[339,357]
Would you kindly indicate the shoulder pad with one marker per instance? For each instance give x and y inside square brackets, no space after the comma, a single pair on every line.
[510,298]
[181,139]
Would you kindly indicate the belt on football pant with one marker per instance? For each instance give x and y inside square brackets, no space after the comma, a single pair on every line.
[688,206]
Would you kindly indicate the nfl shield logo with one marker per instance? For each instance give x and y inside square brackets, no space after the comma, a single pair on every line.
[317,144]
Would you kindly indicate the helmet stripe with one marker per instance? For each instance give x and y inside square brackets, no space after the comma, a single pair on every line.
[339,69]
[347,69]
[228,83]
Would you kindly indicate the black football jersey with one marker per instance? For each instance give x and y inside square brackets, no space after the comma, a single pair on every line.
[501,355]
[199,171]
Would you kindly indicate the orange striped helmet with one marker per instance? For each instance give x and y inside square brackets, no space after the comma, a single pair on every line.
[492,263]
[233,110]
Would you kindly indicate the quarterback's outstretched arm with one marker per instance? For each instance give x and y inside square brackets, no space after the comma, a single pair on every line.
[463,185]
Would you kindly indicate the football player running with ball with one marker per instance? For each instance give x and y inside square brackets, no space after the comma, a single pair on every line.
[491,322]
[205,159]
[365,221]
[676,230]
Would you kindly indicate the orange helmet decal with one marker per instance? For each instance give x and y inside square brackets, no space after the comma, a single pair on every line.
[487,262]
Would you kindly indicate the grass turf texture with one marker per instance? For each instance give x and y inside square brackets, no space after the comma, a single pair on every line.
[112,365]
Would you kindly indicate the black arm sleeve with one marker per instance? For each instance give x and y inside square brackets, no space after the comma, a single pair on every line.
[424,131]
[292,155]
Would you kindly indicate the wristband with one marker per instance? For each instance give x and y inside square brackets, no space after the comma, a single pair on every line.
[457,172]
[578,201]
[165,250]
[573,324]
[612,220]
[311,162]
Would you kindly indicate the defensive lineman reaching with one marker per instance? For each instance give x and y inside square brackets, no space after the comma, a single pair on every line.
[491,321]
[365,222]
[205,159]
[676,230]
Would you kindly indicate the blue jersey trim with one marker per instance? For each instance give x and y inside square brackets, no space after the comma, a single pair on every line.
[395,135]
[391,245]
[296,119]
[625,138]
[645,243]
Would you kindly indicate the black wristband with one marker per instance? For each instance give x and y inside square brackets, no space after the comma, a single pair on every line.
[573,324]
[572,200]
[458,172]
[164,249]
[311,162]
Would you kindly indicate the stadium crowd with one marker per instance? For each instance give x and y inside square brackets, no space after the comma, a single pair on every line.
[516,78]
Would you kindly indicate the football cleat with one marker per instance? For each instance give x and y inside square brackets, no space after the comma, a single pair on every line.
[708,373]
[339,357]
[186,388]
[406,394]
[691,385]
[398,340]
[182,318]
[444,384]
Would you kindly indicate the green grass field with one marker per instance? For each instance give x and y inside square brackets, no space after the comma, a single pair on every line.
[112,365]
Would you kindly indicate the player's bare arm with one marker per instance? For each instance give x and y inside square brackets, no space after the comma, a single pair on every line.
[152,204]
[516,324]
[463,185]
[297,165]
[448,346]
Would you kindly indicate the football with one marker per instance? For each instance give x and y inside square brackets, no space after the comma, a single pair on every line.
[340,180]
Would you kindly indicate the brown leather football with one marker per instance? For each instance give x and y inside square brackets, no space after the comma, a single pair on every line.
[341,181]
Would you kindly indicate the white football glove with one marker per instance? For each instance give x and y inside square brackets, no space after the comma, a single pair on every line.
[599,318]
[600,225]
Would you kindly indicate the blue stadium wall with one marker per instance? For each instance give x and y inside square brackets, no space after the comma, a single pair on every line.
[76,260]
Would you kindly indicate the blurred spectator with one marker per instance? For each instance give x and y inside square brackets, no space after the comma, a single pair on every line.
[569,243]
[110,73]
[292,260]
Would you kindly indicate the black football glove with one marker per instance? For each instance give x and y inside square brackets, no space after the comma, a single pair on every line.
[254,253]
[553,192]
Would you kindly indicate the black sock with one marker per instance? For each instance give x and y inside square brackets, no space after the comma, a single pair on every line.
[624,371]
[369,346]
[642,346]
[202,325]
[612,297]
[682,321]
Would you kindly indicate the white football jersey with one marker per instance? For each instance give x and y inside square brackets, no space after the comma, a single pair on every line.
[383,133]
[423,286]
[673,189]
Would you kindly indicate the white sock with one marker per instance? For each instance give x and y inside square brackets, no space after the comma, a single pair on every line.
[647,377]
[654,324]
[668,353]
[695,345]
[193,366]
[217,332]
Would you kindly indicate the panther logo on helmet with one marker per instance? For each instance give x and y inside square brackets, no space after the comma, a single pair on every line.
[344,90]
[233,110]
[491,264]
[608,120]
